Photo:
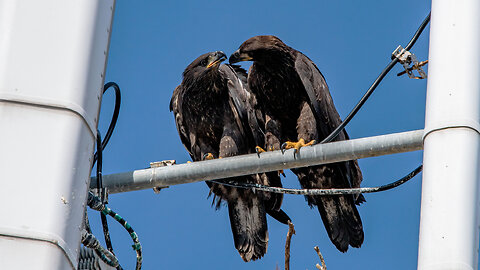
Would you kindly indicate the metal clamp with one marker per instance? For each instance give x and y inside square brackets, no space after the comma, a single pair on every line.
[157,164]
[407,58]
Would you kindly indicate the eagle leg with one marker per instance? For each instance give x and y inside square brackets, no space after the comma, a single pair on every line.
[259,150]
[296,145]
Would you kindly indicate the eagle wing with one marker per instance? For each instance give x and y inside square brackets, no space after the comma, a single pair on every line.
[244,103]
[176,108]
[323,108]
[251,122]
[339,214]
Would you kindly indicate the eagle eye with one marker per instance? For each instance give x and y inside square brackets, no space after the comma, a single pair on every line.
[204,62]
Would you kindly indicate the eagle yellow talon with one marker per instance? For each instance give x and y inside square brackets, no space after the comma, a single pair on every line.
[296,145]
[312,142]
[259,150]
[208,156]
[189,161]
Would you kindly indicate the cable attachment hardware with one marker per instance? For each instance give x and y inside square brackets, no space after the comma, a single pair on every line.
[162,163]
[410,63]
[101,193]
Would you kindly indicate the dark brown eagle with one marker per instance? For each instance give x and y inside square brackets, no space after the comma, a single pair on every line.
[216,117]
[296,102]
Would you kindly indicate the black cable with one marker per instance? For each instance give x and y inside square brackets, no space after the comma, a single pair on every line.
[98,251]
[325,192]
[116,111]
[418,33]
[101,192]
[99,165]
[90,241]
[98,157]
[377,81]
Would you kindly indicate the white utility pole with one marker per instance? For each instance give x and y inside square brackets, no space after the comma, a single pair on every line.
[450,191]
[52,68]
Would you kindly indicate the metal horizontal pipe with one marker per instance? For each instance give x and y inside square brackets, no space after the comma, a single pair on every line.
[268,161]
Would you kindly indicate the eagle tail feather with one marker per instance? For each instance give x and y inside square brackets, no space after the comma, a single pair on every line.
[249,227]
[342,221]
[339,213]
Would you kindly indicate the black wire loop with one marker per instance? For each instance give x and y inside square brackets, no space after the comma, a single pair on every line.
[116,112]
[98,159]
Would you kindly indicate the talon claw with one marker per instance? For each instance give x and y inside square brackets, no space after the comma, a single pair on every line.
[259,150]
[312,142]
[283,147]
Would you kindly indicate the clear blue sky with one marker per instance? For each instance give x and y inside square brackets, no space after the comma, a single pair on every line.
[351,42]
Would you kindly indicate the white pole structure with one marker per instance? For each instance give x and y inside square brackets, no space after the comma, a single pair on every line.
[268,161]
[52,65]
[450,191]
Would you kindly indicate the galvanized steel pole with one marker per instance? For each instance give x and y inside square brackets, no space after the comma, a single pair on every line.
[269,161]
[450,188]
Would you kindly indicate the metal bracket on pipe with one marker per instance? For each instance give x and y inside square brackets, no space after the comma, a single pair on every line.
[407,58]
[162,163]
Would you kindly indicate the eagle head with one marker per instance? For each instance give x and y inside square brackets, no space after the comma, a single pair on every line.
[204,63]
[259,48]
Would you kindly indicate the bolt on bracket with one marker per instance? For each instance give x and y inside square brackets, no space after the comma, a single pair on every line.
[410,63]
[162,163]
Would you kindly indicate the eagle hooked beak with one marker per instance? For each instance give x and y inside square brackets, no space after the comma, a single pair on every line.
[239,57]
[216,58]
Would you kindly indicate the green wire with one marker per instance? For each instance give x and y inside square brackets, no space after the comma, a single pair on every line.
[95,203]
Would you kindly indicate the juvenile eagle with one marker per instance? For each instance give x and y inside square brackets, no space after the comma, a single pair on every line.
[296,102]
[215,117]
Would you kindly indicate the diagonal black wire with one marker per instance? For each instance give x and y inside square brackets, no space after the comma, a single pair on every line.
[418,32]
[374,85]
